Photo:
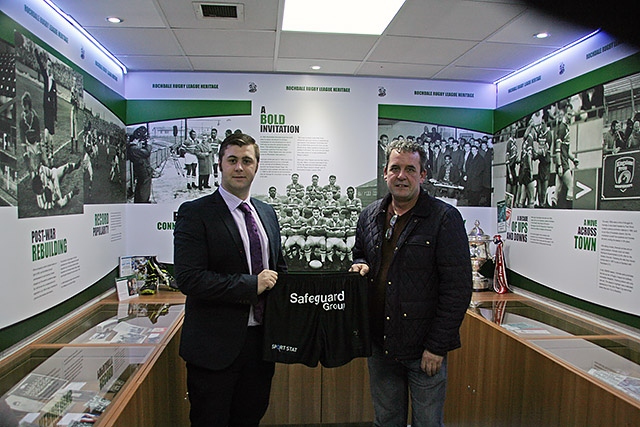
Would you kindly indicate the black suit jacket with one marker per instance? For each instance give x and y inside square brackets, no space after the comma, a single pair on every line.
[211,269]
[50,96]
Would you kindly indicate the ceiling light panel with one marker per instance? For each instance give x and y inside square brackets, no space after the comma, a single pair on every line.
[339,16]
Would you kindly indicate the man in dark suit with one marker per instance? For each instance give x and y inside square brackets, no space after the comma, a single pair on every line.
[49,101]
[474,166]
[227,379]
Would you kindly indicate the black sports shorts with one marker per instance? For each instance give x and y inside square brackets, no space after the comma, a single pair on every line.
[313,317]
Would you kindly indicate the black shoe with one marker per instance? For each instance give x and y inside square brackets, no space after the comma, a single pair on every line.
[188,186]
[207,186]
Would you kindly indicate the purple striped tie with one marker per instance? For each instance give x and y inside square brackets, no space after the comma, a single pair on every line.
[255,248]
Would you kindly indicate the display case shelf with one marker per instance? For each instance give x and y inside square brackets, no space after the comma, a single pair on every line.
[613,361]
[532,319]
[130,322]
[62,386]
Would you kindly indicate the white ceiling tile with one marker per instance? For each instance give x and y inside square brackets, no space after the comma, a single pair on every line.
[471,74]
[226,43]
[142,41]
[226,63]
[411,50]
[391,69]
[93,13]
[462,20]
[258,15]
[156,63]
[502,55]
[328,66]
[525,26]
[329,46]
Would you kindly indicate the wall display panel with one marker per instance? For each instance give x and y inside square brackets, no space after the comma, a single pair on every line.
[317,141]
[568,174]
[61,180]
[69,150]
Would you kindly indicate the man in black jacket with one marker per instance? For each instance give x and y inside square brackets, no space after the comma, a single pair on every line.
[415,251]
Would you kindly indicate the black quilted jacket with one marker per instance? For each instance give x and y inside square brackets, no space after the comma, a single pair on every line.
[430,276]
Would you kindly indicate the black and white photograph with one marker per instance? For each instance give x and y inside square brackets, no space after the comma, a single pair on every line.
[50,173]
[459,161]
[578,152]
[175,160]
[68,146]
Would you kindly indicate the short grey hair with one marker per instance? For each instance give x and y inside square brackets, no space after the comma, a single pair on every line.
[406,146]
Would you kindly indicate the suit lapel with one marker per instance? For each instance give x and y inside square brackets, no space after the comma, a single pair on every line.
[221,208]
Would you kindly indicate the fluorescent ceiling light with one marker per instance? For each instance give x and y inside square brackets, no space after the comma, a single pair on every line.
[339,16]
[544,58]
[84,32]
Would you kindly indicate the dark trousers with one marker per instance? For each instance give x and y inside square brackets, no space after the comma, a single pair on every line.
[235,396]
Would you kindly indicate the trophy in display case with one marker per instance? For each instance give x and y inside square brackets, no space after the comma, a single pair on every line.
[480,253]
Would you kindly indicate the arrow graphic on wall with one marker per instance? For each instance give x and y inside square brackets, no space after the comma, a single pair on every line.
[583,189]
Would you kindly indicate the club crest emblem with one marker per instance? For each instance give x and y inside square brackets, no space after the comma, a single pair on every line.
[624,171]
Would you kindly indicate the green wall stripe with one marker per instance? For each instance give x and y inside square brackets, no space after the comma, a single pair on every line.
[15,333]
[143,111]
[509,113]
[527,284]
[480,120]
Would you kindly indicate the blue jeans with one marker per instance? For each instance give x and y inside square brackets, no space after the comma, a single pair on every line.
[391,381]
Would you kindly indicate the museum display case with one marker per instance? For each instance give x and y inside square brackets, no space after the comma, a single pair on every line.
[524,361]
[67,386]
[88,368]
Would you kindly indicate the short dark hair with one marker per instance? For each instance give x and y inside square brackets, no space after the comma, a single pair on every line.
[407,147]
[239,140]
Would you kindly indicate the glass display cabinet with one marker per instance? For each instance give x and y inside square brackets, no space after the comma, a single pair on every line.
[524,361]
[66,386]
[91,362]
[594,349]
